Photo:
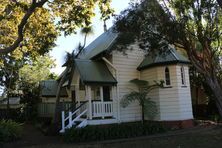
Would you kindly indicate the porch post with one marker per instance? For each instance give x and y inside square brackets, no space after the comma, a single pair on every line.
[77,94]
[90,101]
[102,101]
[113,98]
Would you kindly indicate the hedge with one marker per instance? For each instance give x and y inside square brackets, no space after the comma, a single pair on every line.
[112,131]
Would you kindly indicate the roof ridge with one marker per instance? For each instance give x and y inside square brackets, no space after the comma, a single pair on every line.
[173,54]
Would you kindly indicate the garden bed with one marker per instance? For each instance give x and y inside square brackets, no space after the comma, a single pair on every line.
[112,131]
[9,130]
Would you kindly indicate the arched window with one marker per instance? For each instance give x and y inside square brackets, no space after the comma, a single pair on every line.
[167,76]
[183,81]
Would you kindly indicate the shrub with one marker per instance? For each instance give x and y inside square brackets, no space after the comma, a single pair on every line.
[9,130]
[113,131]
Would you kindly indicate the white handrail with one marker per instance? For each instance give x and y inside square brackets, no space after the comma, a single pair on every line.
[72,121]
[77,117]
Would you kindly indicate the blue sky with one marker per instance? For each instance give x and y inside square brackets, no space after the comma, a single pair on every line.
[69,43]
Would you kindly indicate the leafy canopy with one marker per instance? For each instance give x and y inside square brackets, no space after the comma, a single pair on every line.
[40,31]
[29,28]
[35,71]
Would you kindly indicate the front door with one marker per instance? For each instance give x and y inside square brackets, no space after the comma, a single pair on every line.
[106,93]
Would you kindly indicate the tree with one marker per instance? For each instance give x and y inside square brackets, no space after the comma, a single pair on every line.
[148,107]
[30,20]
[68,73]
[86,31]
[36,33]
[9,78]
[69,63]
[194,26]
[30,74]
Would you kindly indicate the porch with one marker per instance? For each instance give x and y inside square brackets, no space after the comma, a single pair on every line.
[93,87]
[94,110]
[48,109]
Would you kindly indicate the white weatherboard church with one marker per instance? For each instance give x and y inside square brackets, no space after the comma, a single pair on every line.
[101,78]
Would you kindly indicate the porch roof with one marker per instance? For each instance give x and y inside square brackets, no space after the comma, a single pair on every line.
[94,72]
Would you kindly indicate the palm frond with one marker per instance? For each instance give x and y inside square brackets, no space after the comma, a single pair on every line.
[129,98]
[149,107]
[139,82]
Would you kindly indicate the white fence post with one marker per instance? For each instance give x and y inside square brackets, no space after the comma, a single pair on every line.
[70,119]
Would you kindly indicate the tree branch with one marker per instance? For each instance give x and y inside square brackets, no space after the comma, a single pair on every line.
[21,26]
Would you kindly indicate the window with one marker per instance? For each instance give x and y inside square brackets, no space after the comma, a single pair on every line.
[182,75]
[167,76]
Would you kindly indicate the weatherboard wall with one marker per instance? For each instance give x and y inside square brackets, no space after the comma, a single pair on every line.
[185,96]
[126,64]
[174,100]
[150,75]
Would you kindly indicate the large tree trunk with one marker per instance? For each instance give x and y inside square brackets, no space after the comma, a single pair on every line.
[217,91]
[58,107]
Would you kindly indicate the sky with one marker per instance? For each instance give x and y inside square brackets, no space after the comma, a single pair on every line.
[68,43]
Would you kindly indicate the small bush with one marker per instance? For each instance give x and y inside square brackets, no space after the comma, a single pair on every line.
[113,131]
[9,130]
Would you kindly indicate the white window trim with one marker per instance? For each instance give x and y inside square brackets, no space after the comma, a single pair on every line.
[182,76]
[167,85]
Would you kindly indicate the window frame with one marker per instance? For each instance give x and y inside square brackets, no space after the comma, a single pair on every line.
[167,76]
[183,76]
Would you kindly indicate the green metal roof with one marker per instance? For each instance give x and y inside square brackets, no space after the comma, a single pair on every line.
[102,43]
[94,72]
[49,89]
[171,56]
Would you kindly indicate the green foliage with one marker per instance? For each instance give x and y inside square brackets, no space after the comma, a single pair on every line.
[75,14]
[40,31]
[9,131]
[30,28]
[35,71]
[113,131]
[30,75]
